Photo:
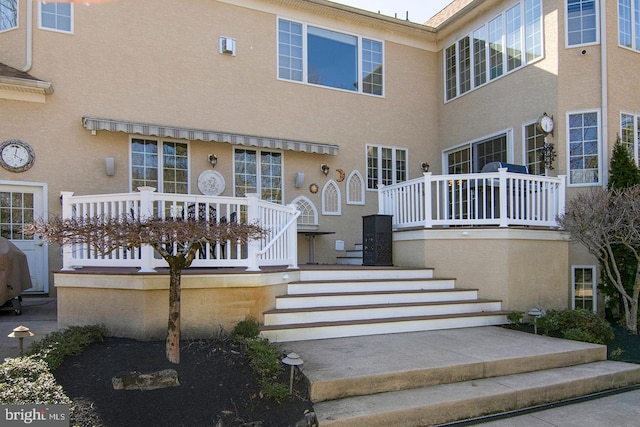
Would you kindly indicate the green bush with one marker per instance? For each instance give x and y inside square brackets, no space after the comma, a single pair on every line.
[54,347]
[27,380]
[248,329]
[264,359]
[515,317]
[579,325]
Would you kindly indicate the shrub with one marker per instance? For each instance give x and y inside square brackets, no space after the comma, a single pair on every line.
[54,347]
[579,325]
[27,380]
[264,359]
[515,317]
[247,329]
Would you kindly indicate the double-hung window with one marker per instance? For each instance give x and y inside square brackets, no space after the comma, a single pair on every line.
[582,22]
[163,165]
[8,14]
[629,23]
[584,148]
[258,172]
[385,166]
[56,16]
[471,158]
[506,43]
[585,286]
[329,58]
[630,135]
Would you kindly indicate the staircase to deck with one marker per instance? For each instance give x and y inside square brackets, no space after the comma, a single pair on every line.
[368,301]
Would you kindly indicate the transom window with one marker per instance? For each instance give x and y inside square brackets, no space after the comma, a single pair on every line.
[630,134]
[584,148]
[629,23]
[505,43]
[471,158]
[258,172]
[56,16]
[160,164]
[329,58]
[385,166]
[534,148]
[582,22]
[8,14]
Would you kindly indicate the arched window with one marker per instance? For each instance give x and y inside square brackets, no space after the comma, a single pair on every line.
[355,189]
[308,213]
[331,204]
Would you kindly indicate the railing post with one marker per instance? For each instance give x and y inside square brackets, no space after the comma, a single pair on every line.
[381,200]
[253,246]
[502,182]
[562,194]
[428,214]
[146,212]
[67,213]
[292,242]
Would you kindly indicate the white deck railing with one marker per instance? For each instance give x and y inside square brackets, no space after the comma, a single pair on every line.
[278,247]
[497,199]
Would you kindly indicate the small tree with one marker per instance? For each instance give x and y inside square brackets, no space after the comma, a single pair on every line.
[602,221]
[176,240]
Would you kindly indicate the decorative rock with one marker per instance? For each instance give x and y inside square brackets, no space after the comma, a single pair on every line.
[152,381]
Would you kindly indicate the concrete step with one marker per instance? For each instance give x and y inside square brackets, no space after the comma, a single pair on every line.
[370,272]
[377,311]
[433,405]
[356,328]
[371,285]
[333,299]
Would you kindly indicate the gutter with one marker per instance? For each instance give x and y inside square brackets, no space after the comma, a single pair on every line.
[29,41]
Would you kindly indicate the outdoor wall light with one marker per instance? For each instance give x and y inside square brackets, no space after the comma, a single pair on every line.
[325,169]
[213,159]
[424,166]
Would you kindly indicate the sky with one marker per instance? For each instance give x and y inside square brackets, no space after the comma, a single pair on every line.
[419,10]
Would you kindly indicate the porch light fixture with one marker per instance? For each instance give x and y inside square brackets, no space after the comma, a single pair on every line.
[292,360]
[21,332]
[424,166]
[325,169]
[213,160]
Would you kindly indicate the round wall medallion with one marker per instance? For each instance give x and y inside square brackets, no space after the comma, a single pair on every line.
[211,183]
[313,188]
[16,155]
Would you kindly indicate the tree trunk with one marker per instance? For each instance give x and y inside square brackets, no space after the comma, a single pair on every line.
[173,328]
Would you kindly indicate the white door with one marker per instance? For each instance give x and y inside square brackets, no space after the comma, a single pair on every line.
[20,205]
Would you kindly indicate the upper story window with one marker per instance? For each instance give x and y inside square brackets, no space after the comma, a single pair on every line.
[630,135]
[471,158]
[385,166]
[629,23]
[584,148]
[329,58]
[258,172]
[507,42]
[160,164]
[56,16]
[582,22]
[534,141]
[8,14]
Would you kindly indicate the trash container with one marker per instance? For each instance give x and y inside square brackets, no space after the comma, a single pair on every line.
[377,240]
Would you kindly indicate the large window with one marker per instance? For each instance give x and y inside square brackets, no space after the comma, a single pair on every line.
[582,22]
[534,149]
[471,158]
[584,148]
[629,23]
[507,42]
[630,134]
[258,172]
[385,166]
[8,14]
[56,16]
[584,287]
[329,58]
[160,164]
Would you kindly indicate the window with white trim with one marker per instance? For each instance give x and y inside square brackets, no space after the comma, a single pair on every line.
[163,165]
[582,22]
[331,199]
[507,42]
[630,134]
[534,141]
[308,212]
[471,158]
[385,166]
[584,148]
[629,24]
[8,14]
[56,16]
[355,188]
[329,58]
[258,171]
[584,287]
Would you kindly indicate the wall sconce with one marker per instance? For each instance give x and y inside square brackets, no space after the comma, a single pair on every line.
[424,166]
[213,159]
[299,179]
[325,169]
[110,166]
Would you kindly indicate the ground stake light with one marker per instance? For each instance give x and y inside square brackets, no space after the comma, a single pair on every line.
[21,332]
[292,360]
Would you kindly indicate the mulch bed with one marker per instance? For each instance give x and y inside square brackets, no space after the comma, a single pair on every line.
[217,387]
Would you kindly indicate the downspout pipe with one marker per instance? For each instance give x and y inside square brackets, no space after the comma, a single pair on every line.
[29,40]
[605,92]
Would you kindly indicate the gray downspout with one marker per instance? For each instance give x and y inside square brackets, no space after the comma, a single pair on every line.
[29,41]
[605,92]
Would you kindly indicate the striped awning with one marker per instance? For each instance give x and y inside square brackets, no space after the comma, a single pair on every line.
[166,131]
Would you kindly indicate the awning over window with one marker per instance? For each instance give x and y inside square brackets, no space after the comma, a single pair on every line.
[162,131]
